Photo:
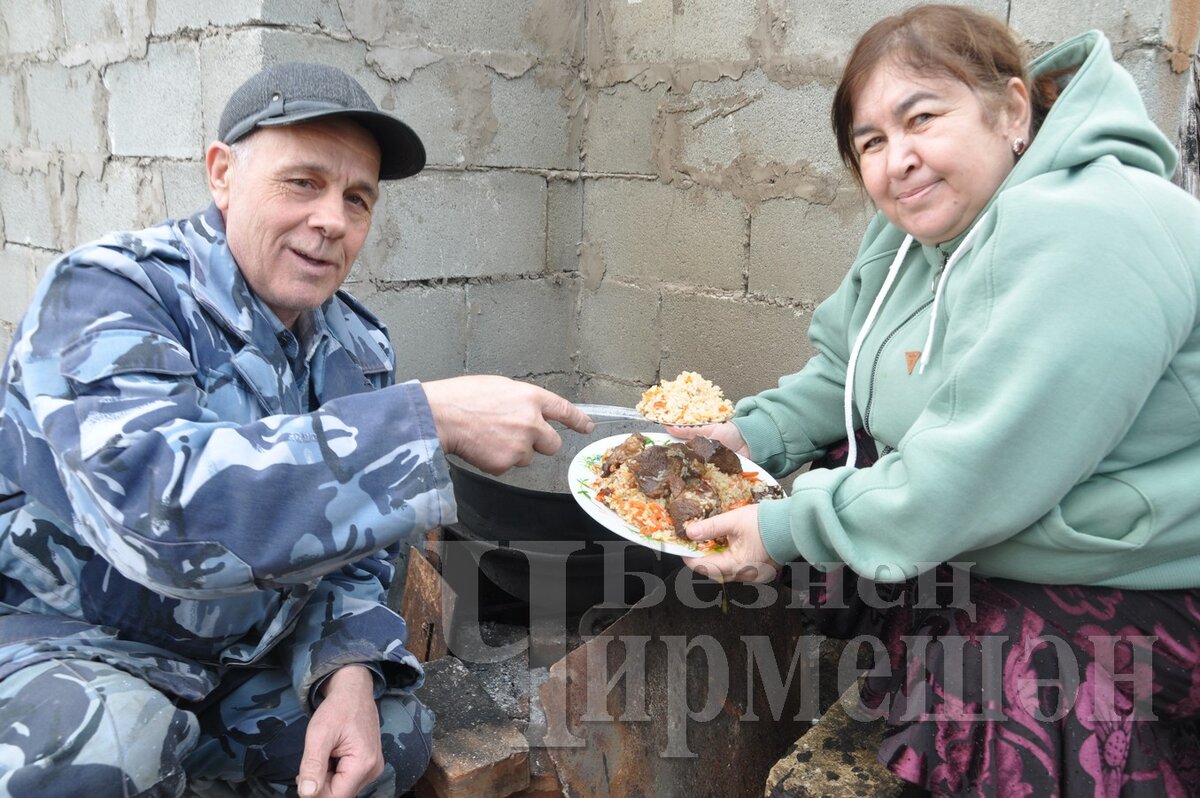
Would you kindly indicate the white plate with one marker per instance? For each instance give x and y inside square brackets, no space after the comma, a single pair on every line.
[580,478]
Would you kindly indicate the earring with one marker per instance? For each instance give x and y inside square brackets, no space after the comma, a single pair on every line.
[1018,147]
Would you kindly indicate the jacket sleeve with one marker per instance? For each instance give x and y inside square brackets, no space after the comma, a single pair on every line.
[118,437]
[1057,334]
[347,621]
[788,426]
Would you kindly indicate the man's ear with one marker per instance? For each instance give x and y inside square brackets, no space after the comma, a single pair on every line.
[218,161]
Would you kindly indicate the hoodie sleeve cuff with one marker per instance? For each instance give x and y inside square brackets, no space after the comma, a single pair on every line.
[775,530]
[761,435]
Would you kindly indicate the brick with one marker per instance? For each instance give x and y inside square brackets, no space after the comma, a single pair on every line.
[801,251]
[441,225]
[12,108]
[564,384]
[28,27]
[533,124]
[66,109]
[627,314]
[602,390]
[18,278]
[699,30]
[30,208]
[1123,22]
[129,198]
[428,104]
[428,328]
[370,21]
[829,31]
[564,220]
[643,230]
[619,130]
[729,114]
[322,15]
[104,31]
[185,188]
[520,328]
[489,26]
[721,337]
[1163,91]
[476,749]
[138,122]
[468,114]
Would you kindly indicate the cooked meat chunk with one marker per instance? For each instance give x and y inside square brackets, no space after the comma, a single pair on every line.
[664,471]
[691,466]
[692,462]
[713,451]
[698,500]
[653,470]
[629,448]
[762,490]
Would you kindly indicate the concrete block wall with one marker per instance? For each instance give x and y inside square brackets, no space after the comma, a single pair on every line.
[617,190]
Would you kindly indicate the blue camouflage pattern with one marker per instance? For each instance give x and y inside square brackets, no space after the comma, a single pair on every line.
[188,488]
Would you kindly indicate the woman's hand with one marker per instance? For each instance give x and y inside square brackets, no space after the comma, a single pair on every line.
[725,433]
[746,559]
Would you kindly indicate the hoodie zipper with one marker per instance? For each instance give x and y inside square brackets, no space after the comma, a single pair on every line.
[879,355]
[937,276]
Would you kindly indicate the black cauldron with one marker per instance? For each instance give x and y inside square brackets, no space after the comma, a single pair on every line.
[523,521]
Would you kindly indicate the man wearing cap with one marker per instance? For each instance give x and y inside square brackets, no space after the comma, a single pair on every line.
[206,470]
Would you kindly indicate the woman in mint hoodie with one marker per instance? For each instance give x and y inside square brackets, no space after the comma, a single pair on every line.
[1017,339]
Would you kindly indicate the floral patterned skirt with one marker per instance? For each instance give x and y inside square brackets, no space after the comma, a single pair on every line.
[993,687]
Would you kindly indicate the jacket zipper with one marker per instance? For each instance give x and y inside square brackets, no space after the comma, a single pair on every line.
[875,363]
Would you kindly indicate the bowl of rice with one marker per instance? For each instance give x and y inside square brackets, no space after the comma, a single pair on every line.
[689,400]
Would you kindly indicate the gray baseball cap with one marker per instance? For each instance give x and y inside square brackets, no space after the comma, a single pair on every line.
[286,94]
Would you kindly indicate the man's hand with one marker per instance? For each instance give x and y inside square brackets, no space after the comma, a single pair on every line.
[726,433]
[495,423]
[345,727]
[746,559]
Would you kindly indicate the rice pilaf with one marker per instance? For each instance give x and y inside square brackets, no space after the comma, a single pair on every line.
[688,399]
[619,492]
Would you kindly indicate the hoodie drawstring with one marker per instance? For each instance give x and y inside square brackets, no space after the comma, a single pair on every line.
[937,295]
[848,405]
[893,270]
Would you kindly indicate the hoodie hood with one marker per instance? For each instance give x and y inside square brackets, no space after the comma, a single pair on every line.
[1099,112]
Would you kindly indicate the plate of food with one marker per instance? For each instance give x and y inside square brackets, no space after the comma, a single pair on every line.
[689,400]
[646,486]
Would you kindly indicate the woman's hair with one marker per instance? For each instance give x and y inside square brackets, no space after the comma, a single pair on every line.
[955,42]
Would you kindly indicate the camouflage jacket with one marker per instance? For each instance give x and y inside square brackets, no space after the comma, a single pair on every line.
[186,487]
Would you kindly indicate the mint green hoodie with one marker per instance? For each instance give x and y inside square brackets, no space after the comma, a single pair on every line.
[1054,433]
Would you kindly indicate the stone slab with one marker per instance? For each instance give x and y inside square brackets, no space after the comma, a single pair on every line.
[476,750]
[836,759]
